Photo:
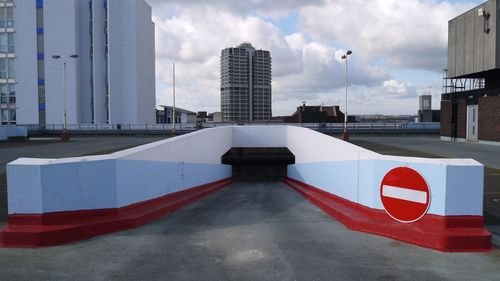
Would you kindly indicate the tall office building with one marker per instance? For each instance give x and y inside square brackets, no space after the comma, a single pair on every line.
[245,84]
[111,81]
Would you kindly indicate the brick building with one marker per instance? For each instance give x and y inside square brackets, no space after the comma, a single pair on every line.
[315,114]
[470,103]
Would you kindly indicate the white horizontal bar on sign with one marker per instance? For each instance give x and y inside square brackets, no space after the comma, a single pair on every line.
[404,194]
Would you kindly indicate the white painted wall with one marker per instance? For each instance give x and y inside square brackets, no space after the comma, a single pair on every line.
[132,63]
[146,85]
[99,65]
[26,64]
[155,169]
[61,37]
[84,102]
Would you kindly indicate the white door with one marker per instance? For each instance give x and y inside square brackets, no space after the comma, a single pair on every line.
[472,121]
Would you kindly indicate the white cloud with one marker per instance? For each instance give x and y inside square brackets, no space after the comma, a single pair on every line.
[194,38]
[306,64]
[410,33]
[267,8]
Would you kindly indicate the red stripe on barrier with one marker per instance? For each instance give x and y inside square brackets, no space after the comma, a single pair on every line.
[443,233]
[38,230]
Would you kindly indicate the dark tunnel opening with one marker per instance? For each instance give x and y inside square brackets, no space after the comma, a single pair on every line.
[259,164]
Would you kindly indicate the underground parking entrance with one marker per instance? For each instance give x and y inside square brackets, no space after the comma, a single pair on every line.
[259,164]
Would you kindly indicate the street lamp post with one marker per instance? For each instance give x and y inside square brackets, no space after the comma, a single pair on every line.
[173,108]
[345,135]
[65,134]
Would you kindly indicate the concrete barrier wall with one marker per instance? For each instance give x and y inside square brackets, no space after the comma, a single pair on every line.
[204,146]
[455,189]
[355,174]
[12,131]
[116,180]
[153,170]
[143,180]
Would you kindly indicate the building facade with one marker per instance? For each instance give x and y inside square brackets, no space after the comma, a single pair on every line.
[112,79]
[245,84]
[470,103]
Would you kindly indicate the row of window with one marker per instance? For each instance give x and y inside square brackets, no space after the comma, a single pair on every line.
[41,62]
[7,91]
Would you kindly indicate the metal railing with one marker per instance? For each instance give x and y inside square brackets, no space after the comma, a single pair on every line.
[194,127]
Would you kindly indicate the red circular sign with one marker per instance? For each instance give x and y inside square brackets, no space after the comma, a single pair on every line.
[405,194]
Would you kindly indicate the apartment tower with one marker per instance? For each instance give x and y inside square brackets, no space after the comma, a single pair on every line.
[245,84]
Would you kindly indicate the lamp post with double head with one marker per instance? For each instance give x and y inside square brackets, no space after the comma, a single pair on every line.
[345,135]
[65,134]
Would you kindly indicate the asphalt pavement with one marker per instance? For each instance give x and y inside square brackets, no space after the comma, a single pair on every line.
[247,231]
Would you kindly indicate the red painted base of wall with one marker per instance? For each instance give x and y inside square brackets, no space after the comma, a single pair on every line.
[443,233]
[32,231]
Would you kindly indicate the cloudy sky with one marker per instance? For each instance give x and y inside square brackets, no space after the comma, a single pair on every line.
[399,50]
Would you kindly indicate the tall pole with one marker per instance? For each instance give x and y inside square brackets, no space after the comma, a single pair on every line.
[345,135]
[345,118]
[173,111]
[65,98]
[65,135]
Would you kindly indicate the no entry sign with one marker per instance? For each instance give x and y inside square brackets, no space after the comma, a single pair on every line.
[405,194]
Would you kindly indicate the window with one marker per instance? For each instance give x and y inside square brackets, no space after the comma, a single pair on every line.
[7,68]
[10,42]
[11,74]
[4,116]
[3,68]
[9,16]
[12,115]
[3,89]
[3,21]
[3,42]
[6,17]
[41,117]
[39,43]
[39,18]
[41,70]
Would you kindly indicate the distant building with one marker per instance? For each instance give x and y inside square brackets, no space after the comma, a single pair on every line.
[425,112]
[111,81]
[315,114]
[379,118]
[245,84]
[470,103]
[204,117]
[182,116]
[217,117]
